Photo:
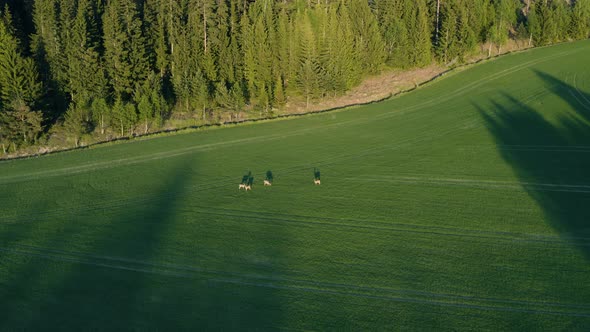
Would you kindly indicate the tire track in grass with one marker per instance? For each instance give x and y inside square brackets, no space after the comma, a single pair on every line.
[478,183]
[152,157]
[310,285]
[579,95]
[217,183]
[546,148]
[205,147]
[529,148]
[475,84]
[457,304]
[358,224]
[192,149]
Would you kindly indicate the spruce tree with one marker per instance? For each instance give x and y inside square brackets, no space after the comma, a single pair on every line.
[126,60]
[580,20]
[369,42]
[308,72]
[395,32]
[421,54]
[101,114]
[259,43]
[19,81]
[447,47]
[47,43]
[86,76]
[20,90]
[157,35]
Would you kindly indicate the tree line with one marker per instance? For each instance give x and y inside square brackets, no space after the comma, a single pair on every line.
[112,68]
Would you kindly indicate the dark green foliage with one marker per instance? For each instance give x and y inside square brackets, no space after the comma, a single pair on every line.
[78,121]
[580,20]
[369,42]
[114,67]
[20,90]
[126,59]
[457,207]
[504,20]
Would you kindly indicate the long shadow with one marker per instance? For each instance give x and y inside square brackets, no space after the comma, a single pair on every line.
[97,289]
[550,155]
[16,231]
[118,278]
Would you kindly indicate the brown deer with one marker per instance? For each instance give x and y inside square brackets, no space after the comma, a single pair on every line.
[316,182]
[267,183]
[241,186]
[248,187]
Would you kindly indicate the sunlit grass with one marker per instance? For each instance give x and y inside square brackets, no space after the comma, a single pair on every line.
[461,205]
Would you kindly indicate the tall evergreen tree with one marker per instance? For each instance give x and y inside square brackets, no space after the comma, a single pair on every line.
[308,72]
[126,60]
[580,20]
[20,90]
[86,76]
[420,53]
[369,41]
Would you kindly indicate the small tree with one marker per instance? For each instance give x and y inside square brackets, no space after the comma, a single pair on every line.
[77,122]
[101,114]
[146,112]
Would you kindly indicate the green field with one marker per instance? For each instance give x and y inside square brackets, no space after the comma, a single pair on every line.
[462,205]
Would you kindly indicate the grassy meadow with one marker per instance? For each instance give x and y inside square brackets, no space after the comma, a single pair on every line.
[462,205]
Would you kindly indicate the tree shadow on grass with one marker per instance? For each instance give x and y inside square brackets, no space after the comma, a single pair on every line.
[551,157]
[103,286]
[15,230]
[119,278]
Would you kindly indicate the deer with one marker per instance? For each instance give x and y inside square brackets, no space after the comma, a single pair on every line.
[316,182]
[241,186]
[267,183]
[248,187]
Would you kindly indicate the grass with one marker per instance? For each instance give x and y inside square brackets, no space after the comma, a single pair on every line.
[462,205]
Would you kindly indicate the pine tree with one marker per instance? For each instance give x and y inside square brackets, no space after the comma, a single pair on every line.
[284,39]
[20,90]
[77,122]
[395,31]
[533,25]
[101,114]
[504,20]
[47,43]
[308,73]
[86,76]
[369,42]
[580,21]
[19,81]
[156,33]
[126,61]
[149,98]
[545,24]
[447,47]
[259,43]
[123,116]
[561,14]
[420,53]
[466,37]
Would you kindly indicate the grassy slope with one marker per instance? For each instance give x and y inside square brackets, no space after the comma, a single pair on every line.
[461,205]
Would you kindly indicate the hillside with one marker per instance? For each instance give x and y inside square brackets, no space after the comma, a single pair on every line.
[461,205]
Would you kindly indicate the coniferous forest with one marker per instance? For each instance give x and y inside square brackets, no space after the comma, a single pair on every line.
[115,68]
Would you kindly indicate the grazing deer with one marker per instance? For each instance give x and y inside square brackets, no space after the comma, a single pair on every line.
[267,183]
[248,187]
[316,181]
[241,186]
